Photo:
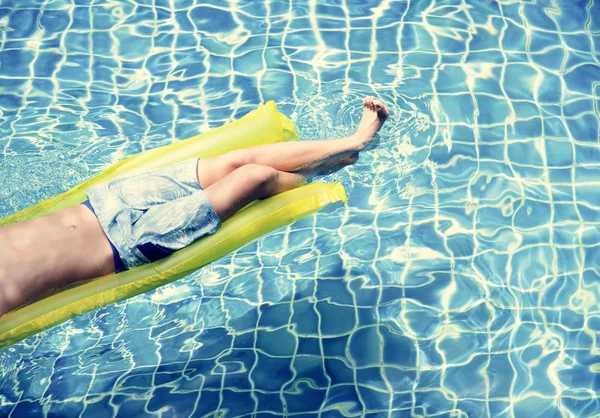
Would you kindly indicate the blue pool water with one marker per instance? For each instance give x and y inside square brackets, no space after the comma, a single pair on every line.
[462,279]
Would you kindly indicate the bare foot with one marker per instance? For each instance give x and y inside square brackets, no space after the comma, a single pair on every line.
[374,116]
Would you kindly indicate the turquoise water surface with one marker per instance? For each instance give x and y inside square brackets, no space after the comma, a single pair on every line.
[462,278]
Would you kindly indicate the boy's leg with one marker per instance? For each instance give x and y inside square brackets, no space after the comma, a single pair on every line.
[246,184]
[251,182]
[304,156]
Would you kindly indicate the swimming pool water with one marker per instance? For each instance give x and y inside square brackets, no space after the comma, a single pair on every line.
[460,280]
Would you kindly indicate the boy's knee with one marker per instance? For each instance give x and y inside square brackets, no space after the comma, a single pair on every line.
[258,175]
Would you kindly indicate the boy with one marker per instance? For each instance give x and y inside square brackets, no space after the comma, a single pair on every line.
[133,220]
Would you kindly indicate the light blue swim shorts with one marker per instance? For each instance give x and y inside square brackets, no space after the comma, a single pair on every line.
[150,215]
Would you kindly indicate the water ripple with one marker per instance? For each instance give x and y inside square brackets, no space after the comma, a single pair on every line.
[460,280]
